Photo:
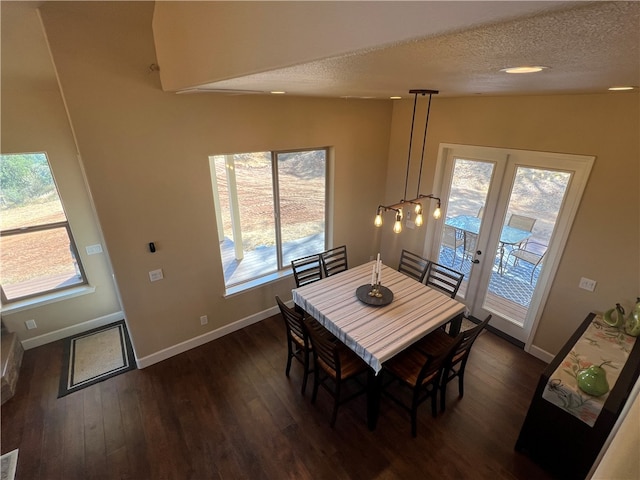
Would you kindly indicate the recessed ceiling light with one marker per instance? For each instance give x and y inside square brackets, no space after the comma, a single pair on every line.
[620,89]
[395,98]
[530,69]
[277,92]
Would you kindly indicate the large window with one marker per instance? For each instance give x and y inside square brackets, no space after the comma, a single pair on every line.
[270,208]
[37,251]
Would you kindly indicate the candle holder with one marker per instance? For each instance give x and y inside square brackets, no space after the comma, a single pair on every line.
[374,295]
[375,291]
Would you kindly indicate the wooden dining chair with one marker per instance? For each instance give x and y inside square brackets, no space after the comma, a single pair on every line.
[334,260]
[413,265]
[444,279]
[306,270]
[421,373]
[456,364]
[298,344]
[334,365]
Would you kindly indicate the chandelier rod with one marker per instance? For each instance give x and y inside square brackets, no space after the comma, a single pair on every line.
[413,119]
[424,141]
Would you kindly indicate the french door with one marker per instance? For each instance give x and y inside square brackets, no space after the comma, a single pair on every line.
[506,217]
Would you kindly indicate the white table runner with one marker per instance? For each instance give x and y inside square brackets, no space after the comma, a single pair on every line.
[598,344]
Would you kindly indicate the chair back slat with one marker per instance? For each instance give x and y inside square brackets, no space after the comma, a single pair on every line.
[468,338]
[413,265]
[307,270]
[324,344]
[444,279]
[334,260]
[436,362]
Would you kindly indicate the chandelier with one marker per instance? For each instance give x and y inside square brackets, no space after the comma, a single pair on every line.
[416,203]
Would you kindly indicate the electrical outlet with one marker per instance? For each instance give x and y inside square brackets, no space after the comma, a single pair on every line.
[204,320]
[587,284]
[30,324]
[155,275]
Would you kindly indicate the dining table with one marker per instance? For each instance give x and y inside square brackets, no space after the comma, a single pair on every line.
[377,332]
[508,236]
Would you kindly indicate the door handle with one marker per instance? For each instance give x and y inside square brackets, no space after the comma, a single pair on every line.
[476,261]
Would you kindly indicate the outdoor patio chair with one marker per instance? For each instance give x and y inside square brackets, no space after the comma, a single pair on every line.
[334,260]
[469,250]
[521,222]
[529,252]
[413,265]
[452,238]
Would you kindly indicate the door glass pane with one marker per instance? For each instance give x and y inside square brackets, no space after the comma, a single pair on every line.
[465,208]
[534,204]
[245,194]
[301,182]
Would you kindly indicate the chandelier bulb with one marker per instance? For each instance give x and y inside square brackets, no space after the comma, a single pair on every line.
[378,220]
[437,213]
[397,227]
[418,221]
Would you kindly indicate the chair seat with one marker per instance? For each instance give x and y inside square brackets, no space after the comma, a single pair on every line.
[530,257]
[350,363]
[298,340]
[407,365]
[437,341]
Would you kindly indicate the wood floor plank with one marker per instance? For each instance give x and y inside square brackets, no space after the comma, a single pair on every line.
[226,410]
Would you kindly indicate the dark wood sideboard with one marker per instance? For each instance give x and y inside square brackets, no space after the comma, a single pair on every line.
[560,442]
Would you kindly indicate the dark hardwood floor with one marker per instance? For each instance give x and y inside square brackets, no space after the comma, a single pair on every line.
[226,410]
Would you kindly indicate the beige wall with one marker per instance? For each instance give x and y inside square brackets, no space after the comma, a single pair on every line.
[34,120]
[604,243]
[146,157]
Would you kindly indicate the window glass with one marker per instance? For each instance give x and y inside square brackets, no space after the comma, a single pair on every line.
[37,252]
[270,208]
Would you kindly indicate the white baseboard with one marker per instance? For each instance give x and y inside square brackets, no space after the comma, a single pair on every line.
[541,354]
[72,330]
[205,338]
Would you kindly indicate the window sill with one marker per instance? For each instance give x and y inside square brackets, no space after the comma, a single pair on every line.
[42,300]
[257,282]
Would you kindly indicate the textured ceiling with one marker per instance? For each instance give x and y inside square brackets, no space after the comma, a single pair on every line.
[587,48]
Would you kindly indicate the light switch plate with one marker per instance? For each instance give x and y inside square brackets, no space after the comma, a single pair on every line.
[587,284]
[93,249]
[155,275]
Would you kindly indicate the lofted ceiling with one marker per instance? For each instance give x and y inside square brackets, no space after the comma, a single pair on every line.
[587,47]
